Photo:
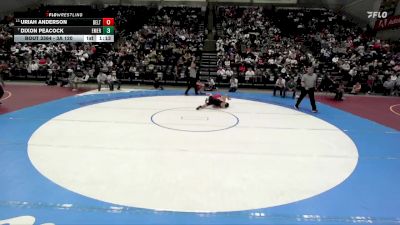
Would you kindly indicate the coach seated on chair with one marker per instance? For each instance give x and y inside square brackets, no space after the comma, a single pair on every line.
[280,85]
[102,79]
[327,84]
[339,91]
[112,79]
[356,88]
[291,86]
[81,78]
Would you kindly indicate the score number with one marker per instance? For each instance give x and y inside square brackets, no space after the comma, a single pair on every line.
[108,30]
[108,26]
[108,22]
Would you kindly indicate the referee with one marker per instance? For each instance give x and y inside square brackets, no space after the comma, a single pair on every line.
[308,82]
[192,79]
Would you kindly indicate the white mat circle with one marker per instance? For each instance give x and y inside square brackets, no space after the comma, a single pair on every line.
[114,153]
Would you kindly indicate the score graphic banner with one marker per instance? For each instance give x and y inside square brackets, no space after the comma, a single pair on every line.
[64,30]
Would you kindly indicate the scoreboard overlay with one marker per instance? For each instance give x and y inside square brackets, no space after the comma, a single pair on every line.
[66,28]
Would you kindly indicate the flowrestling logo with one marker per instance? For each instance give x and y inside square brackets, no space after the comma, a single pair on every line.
[63,14]
[379,15]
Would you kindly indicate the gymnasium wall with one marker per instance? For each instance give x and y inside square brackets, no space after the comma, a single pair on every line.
[9,6]
[357,10]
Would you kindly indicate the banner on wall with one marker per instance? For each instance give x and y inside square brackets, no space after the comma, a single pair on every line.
[387,23]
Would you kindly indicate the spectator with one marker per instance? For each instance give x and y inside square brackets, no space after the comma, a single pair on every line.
[229,73]
[397,86]
[157,84]
[249,75]
[291,86]
[112,80]
[356,88]
[72,79]
[339,91]
[102,78]
[221,73]
[388,86]
[233,84]
[281,86]
[210,85]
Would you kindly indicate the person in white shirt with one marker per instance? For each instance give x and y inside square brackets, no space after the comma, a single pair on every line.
[388,86]
[112,79]
[33,68]
[101,79]
[353,72]
[229,72]
[221,72]
[346,66]
[233,84]
[249,74]
[308,83]
[210,85]
[271,61]
[280,85]
[72,79]
[227,63]
[109,63]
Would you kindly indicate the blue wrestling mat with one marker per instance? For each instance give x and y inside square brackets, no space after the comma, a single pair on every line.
[370,195]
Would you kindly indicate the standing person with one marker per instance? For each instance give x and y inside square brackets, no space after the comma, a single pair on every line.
[308,82]
[192,79]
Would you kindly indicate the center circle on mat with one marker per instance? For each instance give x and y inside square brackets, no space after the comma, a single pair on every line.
[112,152]
[187,119]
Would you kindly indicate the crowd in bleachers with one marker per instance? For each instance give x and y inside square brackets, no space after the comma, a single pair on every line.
[262,45]
[149,42]
[345,52]
[252,46]
[168,44]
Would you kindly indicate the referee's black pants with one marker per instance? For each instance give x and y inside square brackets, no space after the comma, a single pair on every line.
[303,94]
[192,84]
